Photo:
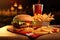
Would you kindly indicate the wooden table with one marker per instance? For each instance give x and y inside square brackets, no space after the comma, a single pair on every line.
[6,35]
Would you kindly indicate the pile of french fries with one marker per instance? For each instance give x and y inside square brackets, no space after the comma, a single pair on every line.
[43,17]
[46,30]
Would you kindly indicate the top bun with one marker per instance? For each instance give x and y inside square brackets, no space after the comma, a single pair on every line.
[23,17]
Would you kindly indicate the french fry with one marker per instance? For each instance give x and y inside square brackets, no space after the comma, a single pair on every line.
[44,17]
[49,15]
[52,16]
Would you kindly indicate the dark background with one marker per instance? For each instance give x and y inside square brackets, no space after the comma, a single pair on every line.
[49,5]
[52,6]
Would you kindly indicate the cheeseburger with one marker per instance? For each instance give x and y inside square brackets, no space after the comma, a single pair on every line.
[22,20]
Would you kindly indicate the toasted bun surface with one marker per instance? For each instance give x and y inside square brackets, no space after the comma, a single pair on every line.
[23,17]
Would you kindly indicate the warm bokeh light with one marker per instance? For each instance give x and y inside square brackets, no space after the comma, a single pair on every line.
[15,5]
[20,7]
[12,8]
